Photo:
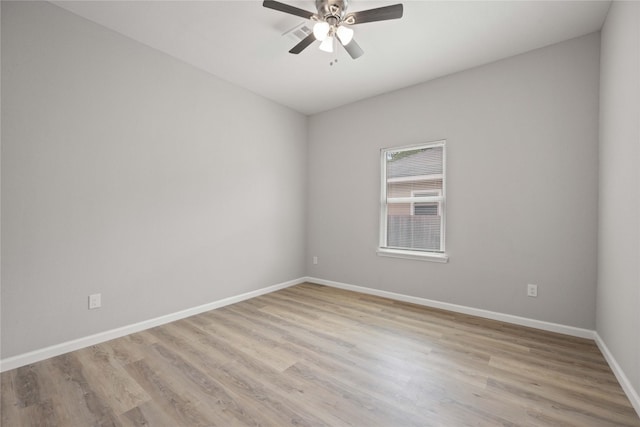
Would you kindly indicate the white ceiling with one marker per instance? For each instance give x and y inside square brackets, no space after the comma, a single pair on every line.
[243,42]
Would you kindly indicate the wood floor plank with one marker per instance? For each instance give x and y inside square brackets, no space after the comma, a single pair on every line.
[180,407]
[110,380]
[41,413]
[587,383]
[81,403]
[27,389]
[311,355]
[236,371]
[9,404]
[130,348]
[52,387]
[211,392]
[391,375]
[259,347]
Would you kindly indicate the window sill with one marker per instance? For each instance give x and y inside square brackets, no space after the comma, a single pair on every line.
[422,256]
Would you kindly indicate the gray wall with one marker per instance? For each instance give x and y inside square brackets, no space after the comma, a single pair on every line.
[618,311]
[522,137]
[132,174]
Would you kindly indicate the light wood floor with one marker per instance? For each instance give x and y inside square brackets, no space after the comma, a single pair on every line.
[313,355]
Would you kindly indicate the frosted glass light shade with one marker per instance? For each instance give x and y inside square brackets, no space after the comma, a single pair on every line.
[345,34]
[321,30]
[327,45]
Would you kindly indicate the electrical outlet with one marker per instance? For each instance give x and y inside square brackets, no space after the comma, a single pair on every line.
[315,259]
[532,290]
[95,301]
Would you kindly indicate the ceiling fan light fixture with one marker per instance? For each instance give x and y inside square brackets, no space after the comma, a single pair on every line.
[329,21]
[327,45]
[345,34]
[321,30]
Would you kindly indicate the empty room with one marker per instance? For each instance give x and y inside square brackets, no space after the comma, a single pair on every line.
[320,213]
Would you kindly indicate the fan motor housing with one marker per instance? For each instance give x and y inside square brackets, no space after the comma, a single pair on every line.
[324,8]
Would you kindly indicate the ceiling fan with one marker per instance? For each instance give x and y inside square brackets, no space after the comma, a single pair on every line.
[332,21]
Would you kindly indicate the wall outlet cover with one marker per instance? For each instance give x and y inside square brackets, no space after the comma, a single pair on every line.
[95,301]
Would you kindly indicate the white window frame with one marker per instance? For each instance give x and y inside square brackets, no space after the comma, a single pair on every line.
[383,250]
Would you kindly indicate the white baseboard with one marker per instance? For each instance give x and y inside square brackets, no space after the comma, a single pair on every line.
[517,320]
[631,393]
[58,349]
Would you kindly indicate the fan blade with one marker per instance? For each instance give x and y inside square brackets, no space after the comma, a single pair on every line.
[303,44]
[292,10]
[378,14]
[353,49]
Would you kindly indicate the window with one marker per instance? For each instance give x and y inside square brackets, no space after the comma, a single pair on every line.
[413,202]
